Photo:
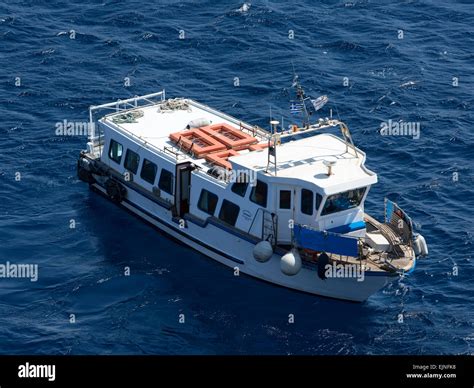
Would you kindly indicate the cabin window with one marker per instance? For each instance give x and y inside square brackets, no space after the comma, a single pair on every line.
[115,151]
[240,186]
[319,199]
[207,202]
[307,202]
[343,201]
[258,194]
[132,160]
[229,212]
[285,199]
[166,181]
[148,172]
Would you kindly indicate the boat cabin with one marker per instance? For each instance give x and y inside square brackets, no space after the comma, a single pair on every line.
[206,166]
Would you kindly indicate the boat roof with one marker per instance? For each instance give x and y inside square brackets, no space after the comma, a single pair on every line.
[300,158]
[304,159]
[157,123]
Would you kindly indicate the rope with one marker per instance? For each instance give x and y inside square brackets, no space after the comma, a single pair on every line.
[129,117]
[174,104]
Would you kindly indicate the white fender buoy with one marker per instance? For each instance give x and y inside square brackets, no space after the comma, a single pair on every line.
[200,122]
[416,245]
[262,251]
[290,263]
[423,245]
[419,246]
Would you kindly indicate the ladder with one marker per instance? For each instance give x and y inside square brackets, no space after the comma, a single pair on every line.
[269,227]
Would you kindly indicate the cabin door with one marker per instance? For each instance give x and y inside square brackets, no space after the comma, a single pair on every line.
[285,211]
[183,187]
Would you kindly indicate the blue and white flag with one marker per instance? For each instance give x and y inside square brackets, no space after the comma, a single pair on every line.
[296,107]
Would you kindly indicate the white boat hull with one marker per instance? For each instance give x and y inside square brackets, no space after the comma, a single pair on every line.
[236,251]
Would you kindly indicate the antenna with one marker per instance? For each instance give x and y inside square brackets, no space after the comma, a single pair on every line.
[271,118]
[300,95]
[295,76]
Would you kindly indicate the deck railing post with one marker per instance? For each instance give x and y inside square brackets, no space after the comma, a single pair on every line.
[91,126]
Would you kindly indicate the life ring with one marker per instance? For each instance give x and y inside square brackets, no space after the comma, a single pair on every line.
[115,190]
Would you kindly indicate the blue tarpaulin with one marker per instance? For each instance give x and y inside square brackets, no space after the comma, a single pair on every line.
[325,241]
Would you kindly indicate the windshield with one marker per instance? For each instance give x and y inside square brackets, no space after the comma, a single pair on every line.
[343,201]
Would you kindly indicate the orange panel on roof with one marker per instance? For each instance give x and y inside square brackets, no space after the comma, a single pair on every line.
[230,136]
[257,147]
[220,158]
[197,142]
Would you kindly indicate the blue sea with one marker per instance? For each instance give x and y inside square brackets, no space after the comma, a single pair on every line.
[376,60]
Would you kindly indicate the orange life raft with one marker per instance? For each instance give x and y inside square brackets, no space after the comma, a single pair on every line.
[197,142]
[220,158]
[231,137]
[258,147]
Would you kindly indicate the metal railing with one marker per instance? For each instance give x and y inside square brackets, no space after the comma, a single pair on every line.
[121,105]
[277,138]
[255,130]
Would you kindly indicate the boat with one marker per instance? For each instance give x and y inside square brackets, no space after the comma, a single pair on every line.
[282,205]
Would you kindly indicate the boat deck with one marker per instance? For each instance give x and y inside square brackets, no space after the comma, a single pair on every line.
[155,124]
[164,126]
[400,256]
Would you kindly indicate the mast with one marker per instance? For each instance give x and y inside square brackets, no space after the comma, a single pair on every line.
[301,98]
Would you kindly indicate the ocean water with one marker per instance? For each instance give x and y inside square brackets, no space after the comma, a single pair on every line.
[408,60]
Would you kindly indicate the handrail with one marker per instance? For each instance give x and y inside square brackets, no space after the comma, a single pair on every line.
[274,221]
[254,218]
[117,105]
[278,138]
[176,154]
[323,124]
[262,133]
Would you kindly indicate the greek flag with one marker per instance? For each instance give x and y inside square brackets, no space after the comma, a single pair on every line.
[296,107]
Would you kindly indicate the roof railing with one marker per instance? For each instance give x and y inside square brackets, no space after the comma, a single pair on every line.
[121,105]
[253,130]
[323,124]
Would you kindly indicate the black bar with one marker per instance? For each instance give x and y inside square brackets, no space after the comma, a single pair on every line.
[317,371]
